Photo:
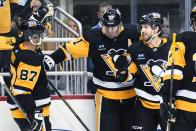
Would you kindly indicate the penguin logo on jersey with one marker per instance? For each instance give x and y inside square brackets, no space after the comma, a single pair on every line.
[154,71]
[108,59]
[1,3]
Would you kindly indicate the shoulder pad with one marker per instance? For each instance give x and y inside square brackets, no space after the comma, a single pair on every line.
[30,57]
[92,34]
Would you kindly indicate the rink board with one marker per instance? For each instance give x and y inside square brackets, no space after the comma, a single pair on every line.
[61,117]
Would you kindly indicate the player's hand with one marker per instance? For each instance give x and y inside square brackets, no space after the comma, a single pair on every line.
[37,122]
[42,13]
[167,110]
[121,63]
[121,76]
[50,10]
[48,62]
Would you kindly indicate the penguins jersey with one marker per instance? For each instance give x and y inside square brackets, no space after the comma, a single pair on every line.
[96,45]
[151,64]
[184,71]
[29,82]
[5,14]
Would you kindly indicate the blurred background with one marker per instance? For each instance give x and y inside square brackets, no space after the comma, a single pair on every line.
[177,11]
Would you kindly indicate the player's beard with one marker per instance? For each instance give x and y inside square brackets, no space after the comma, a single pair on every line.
[146,38]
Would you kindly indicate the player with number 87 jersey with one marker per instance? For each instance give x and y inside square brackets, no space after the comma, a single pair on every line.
[29,80]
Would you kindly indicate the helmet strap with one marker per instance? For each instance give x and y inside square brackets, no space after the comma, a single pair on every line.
[153,36]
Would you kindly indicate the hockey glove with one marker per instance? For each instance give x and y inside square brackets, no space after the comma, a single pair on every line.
[167,110]
[37,121]
[48,62]
[121,63]
[44,11]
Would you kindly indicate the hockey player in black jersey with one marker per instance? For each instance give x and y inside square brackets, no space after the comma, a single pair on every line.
[29,80]
[150,56]
[183,53]
[115,95]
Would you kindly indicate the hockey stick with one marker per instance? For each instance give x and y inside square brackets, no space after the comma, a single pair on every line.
[28,117]
[67,104]
[172,81]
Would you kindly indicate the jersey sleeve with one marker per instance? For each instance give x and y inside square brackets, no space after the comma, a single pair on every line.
[178,58]
[75,49]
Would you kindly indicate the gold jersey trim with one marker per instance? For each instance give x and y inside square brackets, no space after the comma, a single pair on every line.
[186,106]
[98,99]
[150,105]
[117,95]
[18,114]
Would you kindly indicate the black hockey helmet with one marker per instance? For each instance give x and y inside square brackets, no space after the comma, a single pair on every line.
[30,28]
[111,18]
[193,15]
[153,19]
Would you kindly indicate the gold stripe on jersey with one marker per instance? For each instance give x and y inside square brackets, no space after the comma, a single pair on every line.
[150,105]
[175,76]
[117,95]
[178,56]
[186,106]
[141,37]
[13,1]
[79,47]
[13,57]
[13,71]
[27,75]
[98,101]
[18,114]
[46,111]
[22,46]
[129,42]
[5,18]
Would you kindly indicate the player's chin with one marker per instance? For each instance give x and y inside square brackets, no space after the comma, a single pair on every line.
[145,38]
[111,35]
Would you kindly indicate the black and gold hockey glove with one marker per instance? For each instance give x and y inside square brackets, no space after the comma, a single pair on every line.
[167,109]
[121,63]
[37,121]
